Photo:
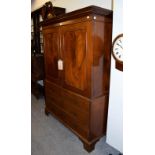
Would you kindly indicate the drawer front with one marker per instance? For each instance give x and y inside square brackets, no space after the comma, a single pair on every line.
[64,95]
[76,114]
[66,98]
[52,89]
[74,106]
[76,100]
[67,119]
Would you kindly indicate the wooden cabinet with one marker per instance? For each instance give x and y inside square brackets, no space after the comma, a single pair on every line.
[77,93]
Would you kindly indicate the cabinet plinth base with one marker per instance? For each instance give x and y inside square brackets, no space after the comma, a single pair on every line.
[89,147]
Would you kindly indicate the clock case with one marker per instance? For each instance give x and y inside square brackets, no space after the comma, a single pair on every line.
[118,63]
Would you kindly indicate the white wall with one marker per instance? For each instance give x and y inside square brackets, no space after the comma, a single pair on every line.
[71,5]
[115,114]
[114,128]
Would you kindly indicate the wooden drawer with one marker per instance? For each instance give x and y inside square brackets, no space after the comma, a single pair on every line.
[52,89]
[67,119]
[66,98]
[73,105]
[76,100]
[80,116]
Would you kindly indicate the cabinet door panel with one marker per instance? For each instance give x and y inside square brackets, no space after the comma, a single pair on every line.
[74,51]
[51,44]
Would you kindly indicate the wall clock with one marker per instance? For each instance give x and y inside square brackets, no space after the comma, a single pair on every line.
[117,52]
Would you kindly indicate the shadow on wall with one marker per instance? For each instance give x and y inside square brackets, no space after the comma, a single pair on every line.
[32,2]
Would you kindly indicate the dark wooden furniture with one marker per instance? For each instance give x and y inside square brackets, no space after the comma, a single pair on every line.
[37,56]
[36,29]
[37,74]
[77,88]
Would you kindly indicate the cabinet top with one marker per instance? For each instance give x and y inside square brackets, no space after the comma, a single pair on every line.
[90,10]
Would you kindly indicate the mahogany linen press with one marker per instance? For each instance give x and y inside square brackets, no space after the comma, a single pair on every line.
[77,54]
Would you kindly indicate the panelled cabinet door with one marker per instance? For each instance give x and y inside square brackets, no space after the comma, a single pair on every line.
[74,52]
[51,53]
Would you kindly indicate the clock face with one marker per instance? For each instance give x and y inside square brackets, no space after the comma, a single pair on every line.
[118,48]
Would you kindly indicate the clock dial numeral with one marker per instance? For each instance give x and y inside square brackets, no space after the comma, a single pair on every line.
[119,45]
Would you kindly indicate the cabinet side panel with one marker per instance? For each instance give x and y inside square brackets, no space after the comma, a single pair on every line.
[107,57]
[98,117]
[101,57]
[98,58]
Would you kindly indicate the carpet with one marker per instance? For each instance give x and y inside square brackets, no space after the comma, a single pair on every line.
[50,137]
